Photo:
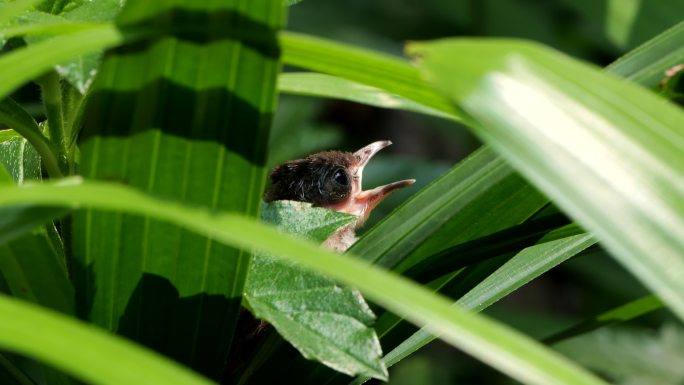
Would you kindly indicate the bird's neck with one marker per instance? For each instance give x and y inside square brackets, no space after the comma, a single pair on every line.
[342,239]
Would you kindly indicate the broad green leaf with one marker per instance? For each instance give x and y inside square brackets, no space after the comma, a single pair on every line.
[301,219]
[388,73]
[327,86]
[646,64]
[561,122]
[5,177]
[35,271]
[324,321]
[26,63]
[495,344]
[99,358]
[7,134]
[193,126]
[621,313]
[19,159]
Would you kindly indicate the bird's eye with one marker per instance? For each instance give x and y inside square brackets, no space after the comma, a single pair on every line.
[341,177]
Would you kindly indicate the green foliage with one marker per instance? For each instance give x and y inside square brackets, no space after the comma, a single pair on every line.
[159,113]
[588,133]
[324,321]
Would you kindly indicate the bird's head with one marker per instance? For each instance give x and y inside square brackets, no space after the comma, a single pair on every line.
[332,179]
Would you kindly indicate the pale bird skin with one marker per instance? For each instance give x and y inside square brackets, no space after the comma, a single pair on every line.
[332,179]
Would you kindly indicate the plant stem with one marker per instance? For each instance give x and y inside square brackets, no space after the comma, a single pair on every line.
[17,118]
[52,98]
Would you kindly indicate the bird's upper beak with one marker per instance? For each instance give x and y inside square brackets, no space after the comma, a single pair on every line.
[360,202]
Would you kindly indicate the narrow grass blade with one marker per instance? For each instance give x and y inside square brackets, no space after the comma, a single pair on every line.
[385,72]
[91,355]
[646,64]
[327,86]
[518,271]
[26,63]
[622,313]
[495,344]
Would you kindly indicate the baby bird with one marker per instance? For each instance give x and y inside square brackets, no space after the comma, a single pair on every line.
[332,179]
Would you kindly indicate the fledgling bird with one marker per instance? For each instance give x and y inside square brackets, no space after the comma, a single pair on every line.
[332,179]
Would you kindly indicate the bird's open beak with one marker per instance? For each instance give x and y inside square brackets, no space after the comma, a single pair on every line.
[361,202]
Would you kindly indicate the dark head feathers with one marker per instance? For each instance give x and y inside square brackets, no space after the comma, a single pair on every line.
[320,179]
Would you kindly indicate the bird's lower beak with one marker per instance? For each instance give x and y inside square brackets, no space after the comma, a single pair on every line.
[361,203]
[370,198]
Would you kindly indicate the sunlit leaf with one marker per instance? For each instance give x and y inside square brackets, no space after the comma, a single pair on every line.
[327,86]
[561,122]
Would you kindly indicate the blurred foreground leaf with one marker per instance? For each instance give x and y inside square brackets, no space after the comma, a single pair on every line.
[600,147]
[490,341]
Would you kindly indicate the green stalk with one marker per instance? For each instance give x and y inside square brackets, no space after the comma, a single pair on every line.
[17,118]
[52,99]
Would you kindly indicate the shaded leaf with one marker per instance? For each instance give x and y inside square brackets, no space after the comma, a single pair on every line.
[324,321]
[32,264]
